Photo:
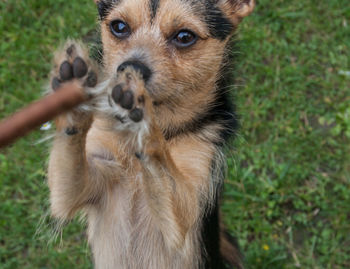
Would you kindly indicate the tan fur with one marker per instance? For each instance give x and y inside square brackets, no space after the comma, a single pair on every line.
[144,212]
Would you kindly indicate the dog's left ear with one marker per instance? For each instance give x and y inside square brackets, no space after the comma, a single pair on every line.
[236,10]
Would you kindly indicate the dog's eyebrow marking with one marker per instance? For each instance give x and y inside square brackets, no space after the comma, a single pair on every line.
[219,26]
[153,5]
[104,7]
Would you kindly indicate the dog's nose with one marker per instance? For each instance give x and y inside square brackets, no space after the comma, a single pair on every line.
[138,66]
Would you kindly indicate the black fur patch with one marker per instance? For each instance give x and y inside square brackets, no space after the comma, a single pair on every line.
[153,5]
[239,263]
[104,7]
[211,239]
[219,26]
[211,230]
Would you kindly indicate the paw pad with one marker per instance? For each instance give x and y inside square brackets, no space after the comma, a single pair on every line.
[136,115]
[79,67]
[117,93]
[66,71]
[72,67]
[126,99]
[91,80]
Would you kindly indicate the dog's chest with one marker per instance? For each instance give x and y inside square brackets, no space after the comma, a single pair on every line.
[123,234]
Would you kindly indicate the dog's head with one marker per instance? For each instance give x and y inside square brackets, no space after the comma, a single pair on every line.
[178,46]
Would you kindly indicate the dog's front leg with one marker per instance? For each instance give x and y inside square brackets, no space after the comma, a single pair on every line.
[69,177]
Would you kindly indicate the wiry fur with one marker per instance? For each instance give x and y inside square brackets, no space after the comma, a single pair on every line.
[150,188]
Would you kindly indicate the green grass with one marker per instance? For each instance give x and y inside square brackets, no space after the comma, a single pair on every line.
[287,194]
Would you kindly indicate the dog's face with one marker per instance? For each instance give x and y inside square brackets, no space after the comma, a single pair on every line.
[180,44]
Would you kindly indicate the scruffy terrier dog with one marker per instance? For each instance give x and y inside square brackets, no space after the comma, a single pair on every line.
[143,157]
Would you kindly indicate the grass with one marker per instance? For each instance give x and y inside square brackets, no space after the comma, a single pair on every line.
[287,193]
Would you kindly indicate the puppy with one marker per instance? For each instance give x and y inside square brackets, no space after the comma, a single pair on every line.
[143,158]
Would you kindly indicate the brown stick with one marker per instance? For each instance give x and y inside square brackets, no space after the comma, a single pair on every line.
[39,112]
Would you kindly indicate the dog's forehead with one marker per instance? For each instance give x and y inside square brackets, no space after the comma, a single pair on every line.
[196,5]
[106,6]
[154,5]
[205,11]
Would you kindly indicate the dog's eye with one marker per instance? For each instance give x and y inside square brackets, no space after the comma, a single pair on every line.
[120,29]
[184,38]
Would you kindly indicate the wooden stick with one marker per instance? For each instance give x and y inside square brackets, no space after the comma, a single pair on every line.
[39,112]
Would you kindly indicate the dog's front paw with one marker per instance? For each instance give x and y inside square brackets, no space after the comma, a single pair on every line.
[131,102]
[72,63]
[128,99]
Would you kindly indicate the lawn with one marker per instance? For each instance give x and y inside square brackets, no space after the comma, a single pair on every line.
[287,192]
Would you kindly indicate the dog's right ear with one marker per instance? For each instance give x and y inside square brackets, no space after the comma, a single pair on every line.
[236,10]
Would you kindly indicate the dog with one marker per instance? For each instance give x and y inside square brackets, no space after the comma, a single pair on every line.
[142,159]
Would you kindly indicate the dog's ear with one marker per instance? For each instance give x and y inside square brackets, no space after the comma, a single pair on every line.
[236,10]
